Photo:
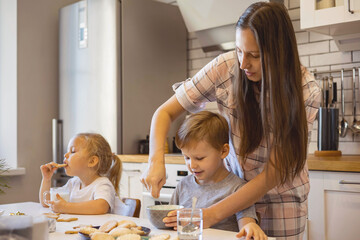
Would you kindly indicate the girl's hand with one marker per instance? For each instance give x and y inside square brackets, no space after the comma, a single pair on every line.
[47,170]
[154,178]
[252,230]
[171,219]
[59,205]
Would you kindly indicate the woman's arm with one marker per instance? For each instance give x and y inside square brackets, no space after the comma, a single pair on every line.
[154,177]
[243,198]
[98,206]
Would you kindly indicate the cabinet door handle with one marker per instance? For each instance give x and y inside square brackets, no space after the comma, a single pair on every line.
[349,9]
[132,171]
[348,182]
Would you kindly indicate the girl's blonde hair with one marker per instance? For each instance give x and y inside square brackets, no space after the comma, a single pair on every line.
[208,126]
[109,164]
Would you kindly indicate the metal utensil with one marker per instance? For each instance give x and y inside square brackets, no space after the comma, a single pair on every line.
[356,124]
[334,96]
[331,80]
[343,124]
[191,227]
[326,92]
[323,92]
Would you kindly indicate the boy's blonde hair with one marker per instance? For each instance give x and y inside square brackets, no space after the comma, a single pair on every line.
[203,126]
[109,164]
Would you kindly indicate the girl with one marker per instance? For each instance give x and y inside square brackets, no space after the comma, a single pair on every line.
[96,171]
[271,102]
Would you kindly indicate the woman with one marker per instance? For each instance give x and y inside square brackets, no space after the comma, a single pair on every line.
[270,101]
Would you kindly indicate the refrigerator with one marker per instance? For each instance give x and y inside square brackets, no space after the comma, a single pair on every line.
[117,63]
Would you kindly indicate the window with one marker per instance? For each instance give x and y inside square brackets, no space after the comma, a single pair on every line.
[8,82]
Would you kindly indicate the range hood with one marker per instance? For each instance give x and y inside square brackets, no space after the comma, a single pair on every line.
[213,21]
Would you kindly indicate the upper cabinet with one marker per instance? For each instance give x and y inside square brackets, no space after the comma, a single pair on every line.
[337,18]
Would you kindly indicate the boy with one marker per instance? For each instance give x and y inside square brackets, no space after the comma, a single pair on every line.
[203,139]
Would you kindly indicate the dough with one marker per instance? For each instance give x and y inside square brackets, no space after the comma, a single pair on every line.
[119,231]
[88,230]
[101,236]
[108,226]
[126,224]
[160,237]
[129,237]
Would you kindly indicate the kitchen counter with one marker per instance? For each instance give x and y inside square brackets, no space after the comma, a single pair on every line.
[345,163]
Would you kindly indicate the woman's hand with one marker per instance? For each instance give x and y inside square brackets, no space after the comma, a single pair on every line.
[47,170]
[171,219]
[59,205]
[154,178]
[252,230]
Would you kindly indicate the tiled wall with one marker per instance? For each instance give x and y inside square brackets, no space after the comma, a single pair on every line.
[316,52]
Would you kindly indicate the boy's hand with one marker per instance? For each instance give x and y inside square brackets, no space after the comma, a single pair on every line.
[171,219]
[47,170]
[58,205]
[252,230]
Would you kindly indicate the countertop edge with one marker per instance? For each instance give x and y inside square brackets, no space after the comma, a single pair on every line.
[344,163]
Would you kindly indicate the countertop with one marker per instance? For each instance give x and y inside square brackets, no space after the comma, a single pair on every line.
[344,163]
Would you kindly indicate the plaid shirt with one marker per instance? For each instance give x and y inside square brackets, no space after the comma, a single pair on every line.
[283,209]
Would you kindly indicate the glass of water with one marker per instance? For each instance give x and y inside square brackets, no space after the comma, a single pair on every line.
[188,229]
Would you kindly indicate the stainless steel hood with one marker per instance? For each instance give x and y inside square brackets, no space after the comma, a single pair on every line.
[213,21]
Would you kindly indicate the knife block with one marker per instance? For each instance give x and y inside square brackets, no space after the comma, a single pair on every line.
[328,129]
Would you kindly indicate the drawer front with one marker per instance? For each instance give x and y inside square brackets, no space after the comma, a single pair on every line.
[340,181]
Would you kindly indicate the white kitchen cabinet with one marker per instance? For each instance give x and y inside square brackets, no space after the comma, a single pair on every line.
[130,185]
[337,18]
[312,16]
[334,205]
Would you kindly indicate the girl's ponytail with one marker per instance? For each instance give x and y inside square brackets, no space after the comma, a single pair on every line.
[115,172]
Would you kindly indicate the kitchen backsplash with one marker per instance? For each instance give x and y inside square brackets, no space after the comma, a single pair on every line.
[316,51]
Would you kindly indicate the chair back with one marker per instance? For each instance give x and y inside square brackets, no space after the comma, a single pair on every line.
[130,207]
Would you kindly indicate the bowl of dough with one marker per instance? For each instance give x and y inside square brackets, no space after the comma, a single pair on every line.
[156,214]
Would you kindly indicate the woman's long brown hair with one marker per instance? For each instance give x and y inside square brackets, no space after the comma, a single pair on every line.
[280,118]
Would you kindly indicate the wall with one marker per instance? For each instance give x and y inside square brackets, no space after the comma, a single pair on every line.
[316,52]
[37,93]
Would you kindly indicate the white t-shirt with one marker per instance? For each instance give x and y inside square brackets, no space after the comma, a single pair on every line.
[101,188]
